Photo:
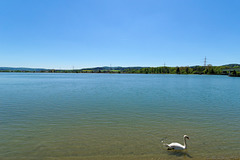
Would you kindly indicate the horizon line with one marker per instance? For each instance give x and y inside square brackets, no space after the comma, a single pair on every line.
[109,67]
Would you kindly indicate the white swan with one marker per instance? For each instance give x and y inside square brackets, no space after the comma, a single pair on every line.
[178,146]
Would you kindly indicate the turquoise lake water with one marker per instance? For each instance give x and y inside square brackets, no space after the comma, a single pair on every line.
[118,116]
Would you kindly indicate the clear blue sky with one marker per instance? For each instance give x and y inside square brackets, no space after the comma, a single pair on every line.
[90,33]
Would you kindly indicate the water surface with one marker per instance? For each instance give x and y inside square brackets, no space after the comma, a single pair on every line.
[118,116]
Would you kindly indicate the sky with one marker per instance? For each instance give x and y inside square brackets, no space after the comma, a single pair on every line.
[66,34]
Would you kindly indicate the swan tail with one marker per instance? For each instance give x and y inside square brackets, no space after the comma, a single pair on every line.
[164,143]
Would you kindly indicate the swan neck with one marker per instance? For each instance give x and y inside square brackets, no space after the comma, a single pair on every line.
[184,142]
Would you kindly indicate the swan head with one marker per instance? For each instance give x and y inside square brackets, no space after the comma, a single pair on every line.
[185,136]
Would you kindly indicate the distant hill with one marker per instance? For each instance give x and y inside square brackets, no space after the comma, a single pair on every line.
[232,65]
[104,69]
[226,65]
[96,69]
[112,68]
[22,69]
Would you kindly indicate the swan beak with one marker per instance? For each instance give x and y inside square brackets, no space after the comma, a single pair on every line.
[187,137]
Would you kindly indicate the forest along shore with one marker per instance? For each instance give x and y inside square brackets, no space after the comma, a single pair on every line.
[231,70]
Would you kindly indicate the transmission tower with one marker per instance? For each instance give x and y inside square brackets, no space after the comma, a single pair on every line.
[205,61]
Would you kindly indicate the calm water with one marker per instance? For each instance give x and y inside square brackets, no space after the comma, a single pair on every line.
[118,116]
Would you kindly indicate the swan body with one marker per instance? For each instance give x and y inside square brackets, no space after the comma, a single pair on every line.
[178,146]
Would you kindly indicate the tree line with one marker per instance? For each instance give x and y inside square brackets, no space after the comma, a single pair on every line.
[209,70]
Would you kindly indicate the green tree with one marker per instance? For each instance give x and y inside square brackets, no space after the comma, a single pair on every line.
[177,70]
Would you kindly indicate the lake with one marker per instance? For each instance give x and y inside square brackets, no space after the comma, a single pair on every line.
[118,116]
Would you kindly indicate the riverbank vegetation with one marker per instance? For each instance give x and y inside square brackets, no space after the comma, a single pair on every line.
[231,69]
[208,70]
